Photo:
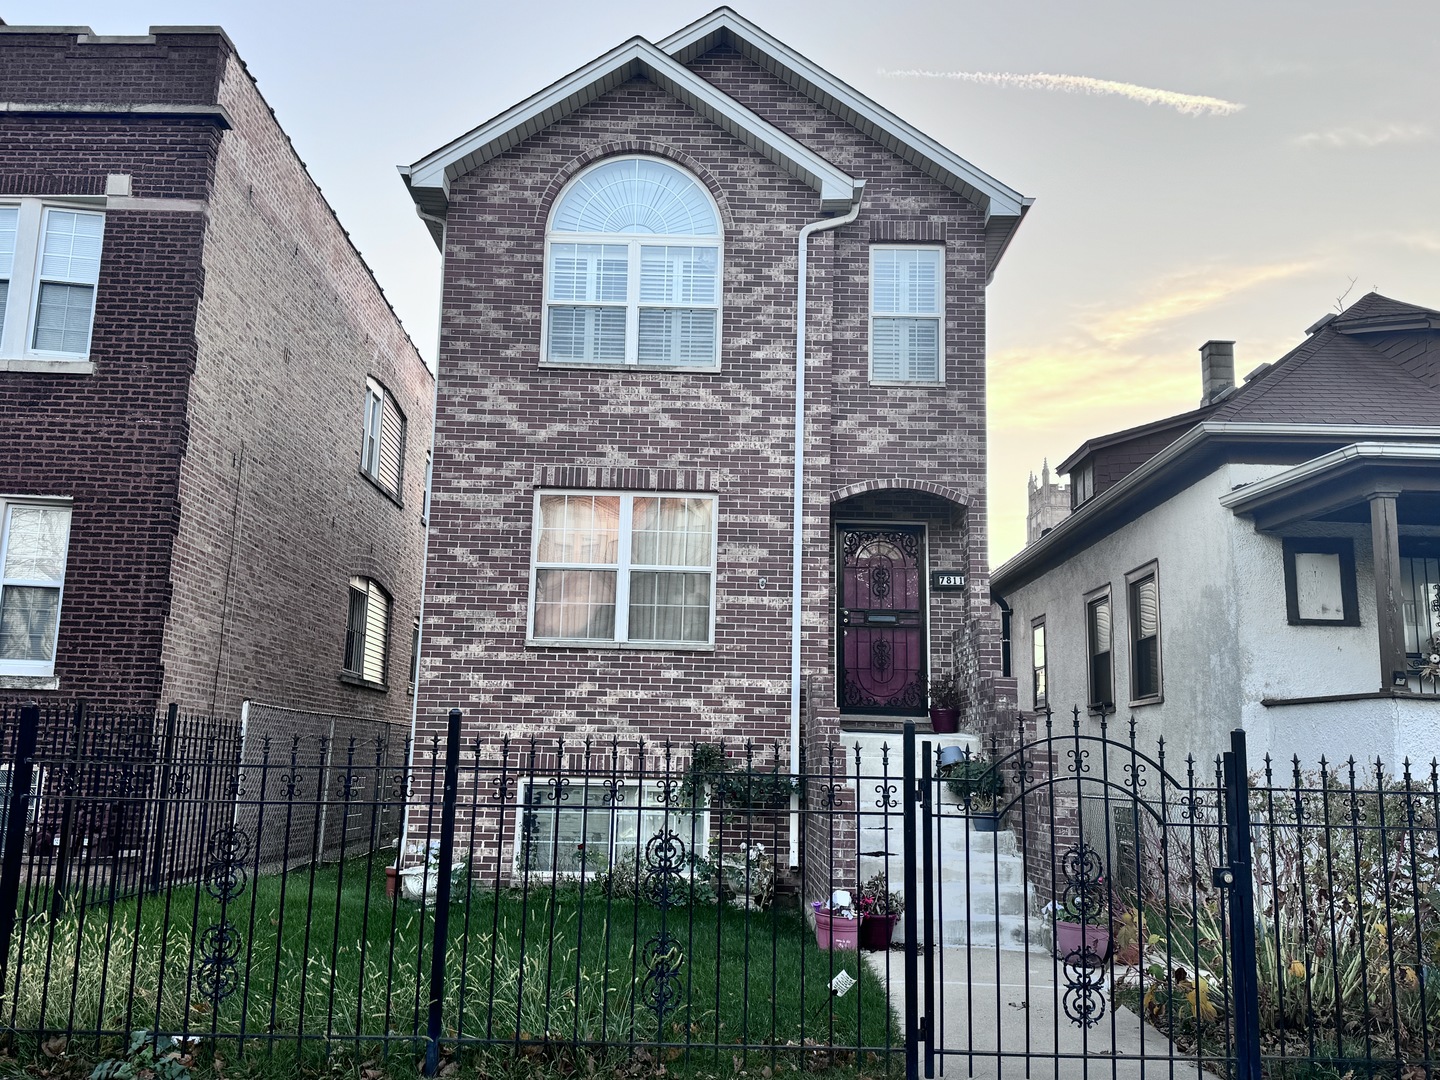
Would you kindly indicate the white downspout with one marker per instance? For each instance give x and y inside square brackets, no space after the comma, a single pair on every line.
[797,543]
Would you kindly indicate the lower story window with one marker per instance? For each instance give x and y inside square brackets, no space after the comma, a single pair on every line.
[34,543]
[367,631]
[623,568]
[586,827]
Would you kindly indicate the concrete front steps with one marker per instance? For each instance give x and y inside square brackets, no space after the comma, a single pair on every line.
[981,897]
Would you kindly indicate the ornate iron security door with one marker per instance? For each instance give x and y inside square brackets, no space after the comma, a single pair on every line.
[881,622]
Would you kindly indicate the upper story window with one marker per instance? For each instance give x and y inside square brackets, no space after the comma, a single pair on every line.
[382,455]
[907,314]
[34,542]
[611,568]
[49,269]
[632,269]
[1082,484]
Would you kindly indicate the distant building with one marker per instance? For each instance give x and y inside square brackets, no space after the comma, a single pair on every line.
[1269,560]
[213,429]
[1049,504]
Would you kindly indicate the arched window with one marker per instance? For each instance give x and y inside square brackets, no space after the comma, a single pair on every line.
[632,268]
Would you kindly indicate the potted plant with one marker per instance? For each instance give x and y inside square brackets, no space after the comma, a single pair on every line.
[977,786]
[422,882]
[836,925]
[945,702]
[1082,925]
[880,909]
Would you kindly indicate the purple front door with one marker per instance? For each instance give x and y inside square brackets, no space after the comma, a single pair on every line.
[881,646]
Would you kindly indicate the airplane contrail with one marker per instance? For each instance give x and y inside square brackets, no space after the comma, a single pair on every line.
[1189,104]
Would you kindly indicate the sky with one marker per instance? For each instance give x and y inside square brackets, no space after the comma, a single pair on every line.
[1290,159]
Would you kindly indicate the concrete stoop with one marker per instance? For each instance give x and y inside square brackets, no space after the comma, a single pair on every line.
[981,896]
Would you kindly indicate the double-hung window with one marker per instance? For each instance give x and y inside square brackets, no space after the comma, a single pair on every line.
[1144,589]
[1098,645]
[619,568]
[633,262]
[49,271]
[34,541]
[367,632]
[907,324]
[382,454]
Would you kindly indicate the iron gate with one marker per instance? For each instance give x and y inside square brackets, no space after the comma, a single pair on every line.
[1078,905]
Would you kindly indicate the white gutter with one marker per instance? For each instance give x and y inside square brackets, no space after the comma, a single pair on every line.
[1241,499]
[797,542]
[429,504]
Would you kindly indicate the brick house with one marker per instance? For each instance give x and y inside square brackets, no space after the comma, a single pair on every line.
[213,429]
[1269,560]
[626,539]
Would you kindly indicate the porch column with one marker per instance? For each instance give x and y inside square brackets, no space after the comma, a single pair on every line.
[1389,602]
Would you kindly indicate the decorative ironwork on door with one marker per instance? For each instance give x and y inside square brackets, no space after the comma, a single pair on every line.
[881,620]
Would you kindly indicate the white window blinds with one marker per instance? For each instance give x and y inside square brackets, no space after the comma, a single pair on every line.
[905,314]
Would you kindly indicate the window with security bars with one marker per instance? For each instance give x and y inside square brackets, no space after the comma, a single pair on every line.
[579,827]
[633,269]
[49,273]
[382,454]
[34,543]
[1144,636]
[367,632]
[616,568]
[907,314]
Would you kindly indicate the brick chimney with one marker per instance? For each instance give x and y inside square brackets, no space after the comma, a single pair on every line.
[1217,370]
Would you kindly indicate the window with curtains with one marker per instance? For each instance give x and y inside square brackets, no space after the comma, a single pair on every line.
[907,335]
[1098,646]
[367,633]
[1144,589]
[34,542]
[49,271]
[633,268]
[618,568]
[382,453]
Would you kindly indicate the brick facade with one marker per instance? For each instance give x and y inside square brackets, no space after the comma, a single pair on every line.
[508,426]
[212,453]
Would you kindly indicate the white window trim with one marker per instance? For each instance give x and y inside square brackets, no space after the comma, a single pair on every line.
[633,242]
[872,316]
[17,332]
[358,676]
[597,782]
[28,669]
[622,567]
[379,400]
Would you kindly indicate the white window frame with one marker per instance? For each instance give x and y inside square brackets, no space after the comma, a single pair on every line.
[598,782]
[359,675]
[17,332]
[633,242]
[939,317]
[378,401]
[622,567]
[33,668]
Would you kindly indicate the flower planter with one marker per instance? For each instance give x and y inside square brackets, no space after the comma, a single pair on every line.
[945,721]
[876,931]
[392,882]
[985,820]
[419,884]
[835,932]
[1085,946]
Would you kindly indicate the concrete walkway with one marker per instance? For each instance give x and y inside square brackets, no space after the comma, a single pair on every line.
[1003,1014]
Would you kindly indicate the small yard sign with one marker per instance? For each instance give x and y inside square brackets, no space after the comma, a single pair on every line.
[947,580]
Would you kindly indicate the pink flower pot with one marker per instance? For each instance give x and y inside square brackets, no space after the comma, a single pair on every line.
[835,931]
[1085,946]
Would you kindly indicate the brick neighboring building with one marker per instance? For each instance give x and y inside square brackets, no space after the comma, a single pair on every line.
[190,355]
[617,399]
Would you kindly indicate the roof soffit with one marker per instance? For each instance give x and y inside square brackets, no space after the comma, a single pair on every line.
[429,178]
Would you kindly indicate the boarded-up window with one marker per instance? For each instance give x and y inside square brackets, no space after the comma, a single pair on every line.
[1320,581]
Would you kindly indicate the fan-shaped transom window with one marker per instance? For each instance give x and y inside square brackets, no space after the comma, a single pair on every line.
[633,269]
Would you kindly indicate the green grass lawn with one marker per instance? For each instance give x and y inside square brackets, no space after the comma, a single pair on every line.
[537,974]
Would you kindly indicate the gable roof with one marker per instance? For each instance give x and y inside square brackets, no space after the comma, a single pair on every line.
[1004,207]
[665,65]
[429,178]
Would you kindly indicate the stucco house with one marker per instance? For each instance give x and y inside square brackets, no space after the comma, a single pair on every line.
[1269,560]
[213,427]
[710,445]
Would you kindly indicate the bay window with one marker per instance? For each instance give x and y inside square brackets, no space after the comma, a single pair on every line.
[620,568]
